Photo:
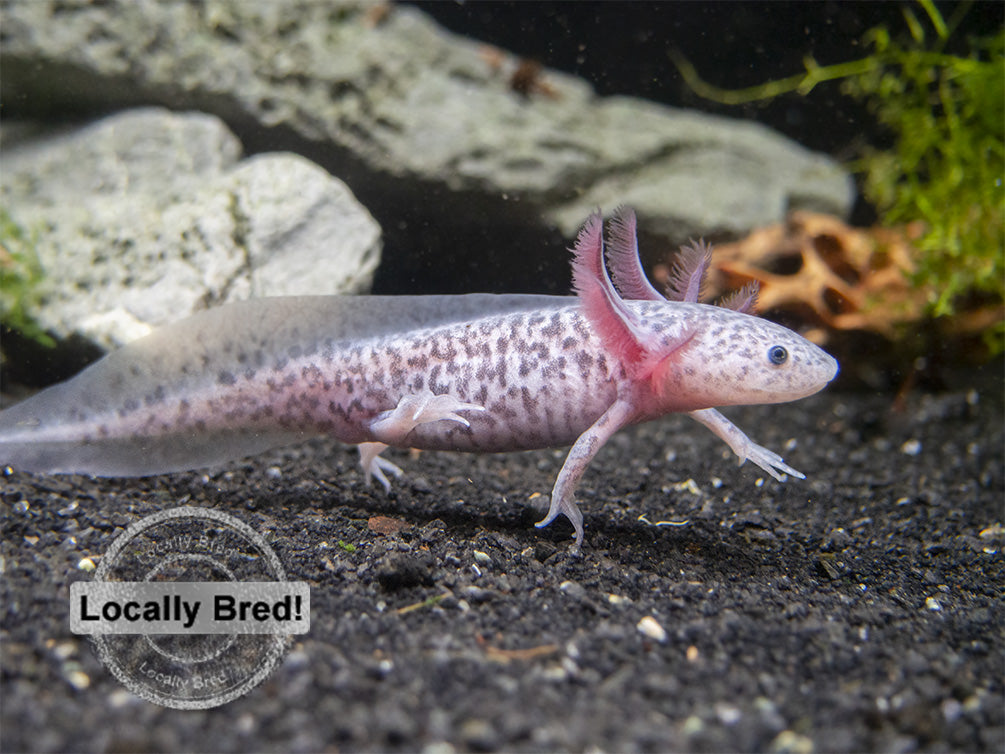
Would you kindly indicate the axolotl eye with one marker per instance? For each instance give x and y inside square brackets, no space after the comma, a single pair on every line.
[777,354]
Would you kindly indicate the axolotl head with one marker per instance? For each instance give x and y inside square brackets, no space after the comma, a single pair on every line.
[731,358]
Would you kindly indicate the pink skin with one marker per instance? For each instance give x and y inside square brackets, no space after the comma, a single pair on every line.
[474,373]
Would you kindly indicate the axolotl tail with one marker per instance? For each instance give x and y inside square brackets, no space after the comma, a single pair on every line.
[33,439]
[158,404]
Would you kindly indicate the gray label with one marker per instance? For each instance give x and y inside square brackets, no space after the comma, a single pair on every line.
[145,607]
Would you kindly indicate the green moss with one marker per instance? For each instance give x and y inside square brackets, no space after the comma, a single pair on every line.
[946,114]
[20,275]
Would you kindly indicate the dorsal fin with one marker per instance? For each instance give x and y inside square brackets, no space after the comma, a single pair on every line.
[623,252]
[743,300]
[688,276]
[604,308]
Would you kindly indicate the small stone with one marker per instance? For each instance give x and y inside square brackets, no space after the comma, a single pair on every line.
[650,627]
[400,571]
[479,735]
[788,742]
[727,713]
[78,679]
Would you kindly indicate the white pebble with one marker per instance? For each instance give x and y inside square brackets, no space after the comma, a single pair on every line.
[650,627]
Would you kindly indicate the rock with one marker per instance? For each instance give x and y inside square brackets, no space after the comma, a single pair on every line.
[148,216]
[424,126]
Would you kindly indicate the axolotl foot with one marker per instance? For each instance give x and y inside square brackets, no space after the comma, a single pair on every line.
[565,507]
[375,466]
[392,428]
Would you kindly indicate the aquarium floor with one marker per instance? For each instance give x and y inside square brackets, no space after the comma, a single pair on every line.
[859,610]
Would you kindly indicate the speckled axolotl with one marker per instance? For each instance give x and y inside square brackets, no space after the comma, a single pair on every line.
[475,372]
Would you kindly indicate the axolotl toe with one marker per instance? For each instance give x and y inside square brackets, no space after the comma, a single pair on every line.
[479,372]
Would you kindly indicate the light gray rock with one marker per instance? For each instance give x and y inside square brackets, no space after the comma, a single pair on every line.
[147,216]
[404,105]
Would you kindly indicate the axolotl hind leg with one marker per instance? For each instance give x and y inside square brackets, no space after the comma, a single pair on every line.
[392,428]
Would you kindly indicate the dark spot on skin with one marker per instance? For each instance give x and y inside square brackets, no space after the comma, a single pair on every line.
[249,373]
[280,364]
[529,402]
[200,425]
[226,378]
[554,328]
[502,343]
[311,374]
[131,404]
[568,343]
[418,362]
[525,367]
[135,370]
[157,396]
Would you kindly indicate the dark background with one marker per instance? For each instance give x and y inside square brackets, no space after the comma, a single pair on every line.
[624,48]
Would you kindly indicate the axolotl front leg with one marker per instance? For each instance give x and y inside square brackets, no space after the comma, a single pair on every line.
[393,427]
[585,448]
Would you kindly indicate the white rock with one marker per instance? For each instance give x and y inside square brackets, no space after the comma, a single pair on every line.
[148,216]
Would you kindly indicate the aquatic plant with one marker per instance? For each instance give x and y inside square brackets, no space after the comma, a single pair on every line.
[20,275]
[946,166]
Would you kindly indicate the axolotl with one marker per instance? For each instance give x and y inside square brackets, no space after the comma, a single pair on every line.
[476,372]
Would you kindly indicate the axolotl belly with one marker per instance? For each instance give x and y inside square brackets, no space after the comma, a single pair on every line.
[478,372]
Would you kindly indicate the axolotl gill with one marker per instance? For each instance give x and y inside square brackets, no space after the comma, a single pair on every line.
[476,372]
